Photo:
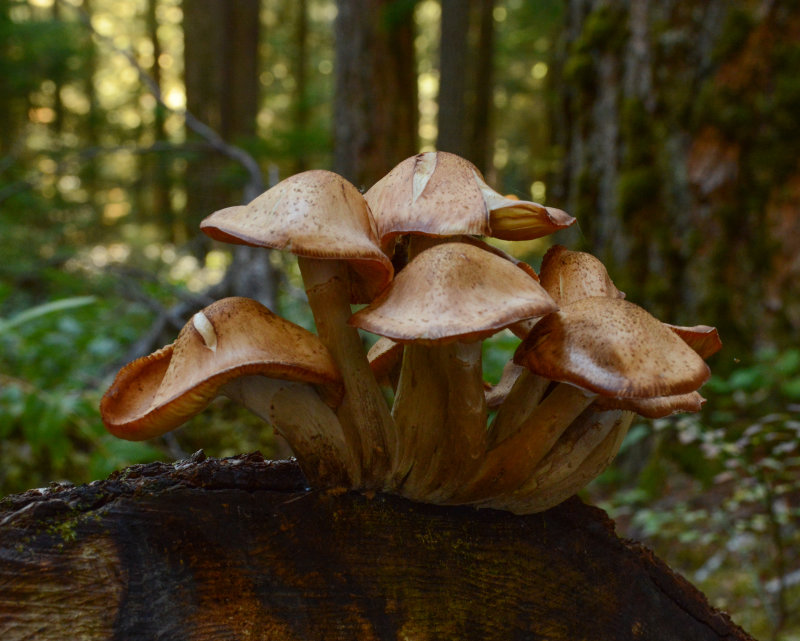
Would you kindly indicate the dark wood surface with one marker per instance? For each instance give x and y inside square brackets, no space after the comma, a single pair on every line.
[239,549]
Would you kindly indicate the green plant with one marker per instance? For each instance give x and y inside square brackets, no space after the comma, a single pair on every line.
[721,491]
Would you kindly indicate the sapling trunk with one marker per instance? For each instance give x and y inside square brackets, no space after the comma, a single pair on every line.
[364,414]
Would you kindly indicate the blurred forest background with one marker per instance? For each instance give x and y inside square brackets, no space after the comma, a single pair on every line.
[669,129]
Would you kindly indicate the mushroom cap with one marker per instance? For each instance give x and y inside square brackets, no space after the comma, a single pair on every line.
[383,357]
[570,275]
[655,407]
[613,348]
[315,214]
[232,337]
[703,339]
[453,291]
[442,194]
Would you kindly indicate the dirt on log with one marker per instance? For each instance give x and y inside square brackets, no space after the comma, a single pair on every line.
[239,548]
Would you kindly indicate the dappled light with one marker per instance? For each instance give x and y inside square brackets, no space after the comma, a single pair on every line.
[669,133]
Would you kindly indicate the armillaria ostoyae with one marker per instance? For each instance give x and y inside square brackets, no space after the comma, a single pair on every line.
[587,361]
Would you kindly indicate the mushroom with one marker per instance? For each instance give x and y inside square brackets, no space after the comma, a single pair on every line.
[567,276]
[443,195]
[441,305]
[593,347]
[582,453]
[385,357]
[238,348]
[326,222]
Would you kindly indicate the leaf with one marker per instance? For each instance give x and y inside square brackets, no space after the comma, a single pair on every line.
[44,309]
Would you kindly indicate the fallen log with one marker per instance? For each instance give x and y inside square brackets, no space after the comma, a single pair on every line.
[239,548]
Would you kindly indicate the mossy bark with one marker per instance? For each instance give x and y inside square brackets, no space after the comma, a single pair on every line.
[239,549]
[679,126]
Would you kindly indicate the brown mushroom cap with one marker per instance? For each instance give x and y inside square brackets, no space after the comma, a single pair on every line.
[613,348]
[384,356]
[442,194]
[453,291]
[315,214]
[703,339]
[231,338]
[655,407]
[569,276]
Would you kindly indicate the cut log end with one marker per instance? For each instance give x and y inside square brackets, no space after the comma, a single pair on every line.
[239,548]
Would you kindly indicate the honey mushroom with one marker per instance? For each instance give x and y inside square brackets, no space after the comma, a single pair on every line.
[237,348]
[324,220]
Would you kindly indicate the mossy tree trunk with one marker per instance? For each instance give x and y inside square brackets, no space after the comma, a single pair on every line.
[240,549]
[679,121]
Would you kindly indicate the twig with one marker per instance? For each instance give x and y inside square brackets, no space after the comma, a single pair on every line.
[255,184]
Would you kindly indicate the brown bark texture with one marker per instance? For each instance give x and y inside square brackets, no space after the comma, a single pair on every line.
[239,548]
[678,121]
[375,102]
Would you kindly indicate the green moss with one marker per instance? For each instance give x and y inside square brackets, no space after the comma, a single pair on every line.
[585,205]
[739,24]
[579,71]
[637,188]
[636,130]
[605,29]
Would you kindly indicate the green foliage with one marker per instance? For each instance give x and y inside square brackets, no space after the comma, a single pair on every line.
[49,423]
[721,490]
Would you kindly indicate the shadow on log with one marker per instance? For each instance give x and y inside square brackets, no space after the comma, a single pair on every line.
[238,548]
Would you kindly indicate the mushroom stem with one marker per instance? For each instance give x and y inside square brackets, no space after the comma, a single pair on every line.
[311,428]
[419,411]
[511,462]
[364,414]
[559,484]
[441,407]
[581,438]
[522,399]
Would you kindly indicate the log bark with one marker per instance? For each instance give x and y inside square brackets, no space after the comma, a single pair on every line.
[238,548]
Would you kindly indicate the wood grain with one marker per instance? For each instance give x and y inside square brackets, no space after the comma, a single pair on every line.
[238,548]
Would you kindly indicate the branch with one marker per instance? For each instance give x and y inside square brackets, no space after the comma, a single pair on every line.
[255,184]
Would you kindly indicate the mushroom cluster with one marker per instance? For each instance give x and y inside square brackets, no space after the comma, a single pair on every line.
[409,253]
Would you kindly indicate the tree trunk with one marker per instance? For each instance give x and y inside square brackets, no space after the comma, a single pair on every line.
[454,59]
[239,548]
[375,103]
[679,121]
[479,149]
[221,72]
[466,78]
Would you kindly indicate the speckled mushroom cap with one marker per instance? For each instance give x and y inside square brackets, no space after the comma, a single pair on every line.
[442,194]
[703,339]
[453,291]
[316,214]
[613,348]
[232,337]
[655,407]
[569,276]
